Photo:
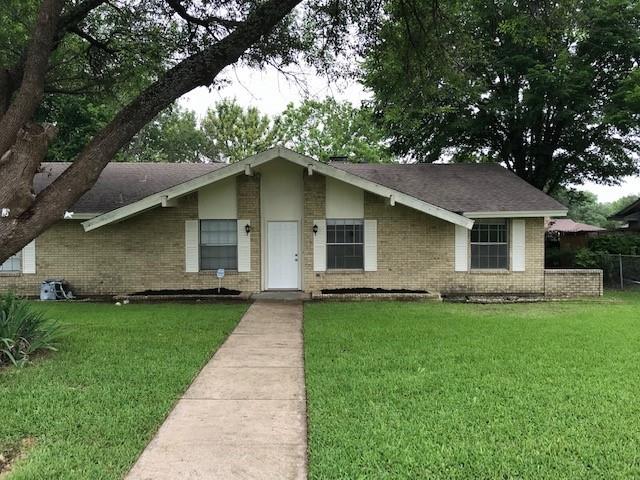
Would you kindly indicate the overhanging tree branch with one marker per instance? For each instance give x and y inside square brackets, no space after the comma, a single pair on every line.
[197,70]
[207,22]
[29,94]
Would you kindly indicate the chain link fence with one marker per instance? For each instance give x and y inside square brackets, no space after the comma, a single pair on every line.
[620,271]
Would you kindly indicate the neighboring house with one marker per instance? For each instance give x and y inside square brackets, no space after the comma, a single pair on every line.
[281,220]
[565,233]
[630,215]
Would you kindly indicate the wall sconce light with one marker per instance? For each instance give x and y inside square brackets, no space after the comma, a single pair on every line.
[247,228]
[315,229]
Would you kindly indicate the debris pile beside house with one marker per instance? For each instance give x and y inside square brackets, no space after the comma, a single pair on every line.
[55,289]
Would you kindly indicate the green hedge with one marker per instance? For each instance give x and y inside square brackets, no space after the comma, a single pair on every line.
[616,243]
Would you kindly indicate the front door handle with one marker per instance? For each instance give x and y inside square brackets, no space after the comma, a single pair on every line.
[295,257]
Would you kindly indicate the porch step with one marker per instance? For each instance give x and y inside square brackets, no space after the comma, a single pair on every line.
[281,296]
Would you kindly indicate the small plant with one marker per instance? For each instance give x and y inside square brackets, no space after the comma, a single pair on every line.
[24,331]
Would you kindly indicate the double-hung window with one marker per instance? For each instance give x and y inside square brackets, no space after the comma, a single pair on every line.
[489,245]
[218,244]
[345,244]
[12,264]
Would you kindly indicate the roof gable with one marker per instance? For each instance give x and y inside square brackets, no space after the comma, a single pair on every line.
[246,165]
[627,211]
[448,191]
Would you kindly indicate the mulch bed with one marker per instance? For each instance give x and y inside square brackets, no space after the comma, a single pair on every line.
[202,291]
[350,291]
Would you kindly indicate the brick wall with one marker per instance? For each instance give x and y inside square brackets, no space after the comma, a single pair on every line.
[140,253]
[573,283]
[415,251]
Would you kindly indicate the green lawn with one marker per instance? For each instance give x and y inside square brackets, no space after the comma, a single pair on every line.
[90,408]
[410,390]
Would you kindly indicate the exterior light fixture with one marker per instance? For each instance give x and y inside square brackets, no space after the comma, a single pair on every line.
[247,228]
[315,229]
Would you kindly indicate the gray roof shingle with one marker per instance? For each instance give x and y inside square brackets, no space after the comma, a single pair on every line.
[124,183]
[454,187]
[457,187]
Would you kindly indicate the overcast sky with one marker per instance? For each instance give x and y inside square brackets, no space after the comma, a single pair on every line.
[270,92]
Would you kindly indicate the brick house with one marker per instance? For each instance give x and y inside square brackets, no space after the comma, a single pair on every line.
[281,220]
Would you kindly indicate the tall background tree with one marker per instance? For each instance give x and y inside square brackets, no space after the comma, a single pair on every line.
[319,128]
[173,136]
[584,207]
[143,55]
[551,89]
[328,128]
[232,133]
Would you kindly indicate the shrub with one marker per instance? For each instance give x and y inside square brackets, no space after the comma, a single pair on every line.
[24,331]
[585,258]
[625,244]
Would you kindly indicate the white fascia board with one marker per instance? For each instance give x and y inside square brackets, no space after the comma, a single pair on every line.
[517,214]
[82,216]
[304,161]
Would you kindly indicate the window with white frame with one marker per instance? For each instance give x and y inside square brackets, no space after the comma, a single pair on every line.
[12,264]
[218,244]
[345,244]
[489,245]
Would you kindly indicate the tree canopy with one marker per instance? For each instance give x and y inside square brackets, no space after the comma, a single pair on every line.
[232,133]
[229,133]
[173,136]
[584,207]
[323,129]
[121,64]
[550,89]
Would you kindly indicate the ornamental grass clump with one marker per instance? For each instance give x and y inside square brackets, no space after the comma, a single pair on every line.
[24,331]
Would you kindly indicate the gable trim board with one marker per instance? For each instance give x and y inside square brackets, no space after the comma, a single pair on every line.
[190,186]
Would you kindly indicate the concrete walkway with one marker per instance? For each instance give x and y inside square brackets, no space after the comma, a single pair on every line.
[244,416]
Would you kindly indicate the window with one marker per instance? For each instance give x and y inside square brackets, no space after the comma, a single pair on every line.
[489,247]
[218,244]
[345,244]
[13,264]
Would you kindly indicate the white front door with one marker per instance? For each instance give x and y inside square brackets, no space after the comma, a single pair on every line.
[282,255]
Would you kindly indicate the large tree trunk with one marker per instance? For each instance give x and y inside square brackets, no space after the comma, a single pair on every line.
[198,70]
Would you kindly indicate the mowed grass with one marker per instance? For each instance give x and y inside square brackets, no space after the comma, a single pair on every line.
[410,390]
[89,409]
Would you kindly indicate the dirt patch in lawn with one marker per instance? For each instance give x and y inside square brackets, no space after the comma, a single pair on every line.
[10,454]
[201,291]
[348,291]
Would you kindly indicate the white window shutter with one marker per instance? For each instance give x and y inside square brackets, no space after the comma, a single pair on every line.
[370,245]
[320,246]
[461,250]
[244,247]
[192,245]
[518,245]
[29,258]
